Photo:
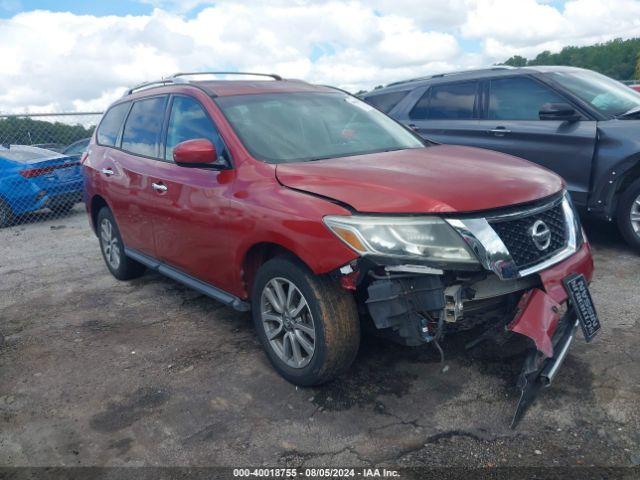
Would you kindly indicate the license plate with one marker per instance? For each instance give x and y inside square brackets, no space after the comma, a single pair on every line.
[578,290]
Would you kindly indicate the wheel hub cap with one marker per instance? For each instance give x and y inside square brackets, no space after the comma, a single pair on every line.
[635,215]
[110,244]
[287,322]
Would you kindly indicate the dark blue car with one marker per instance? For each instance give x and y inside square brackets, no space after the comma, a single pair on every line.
[33,178]
[578,123]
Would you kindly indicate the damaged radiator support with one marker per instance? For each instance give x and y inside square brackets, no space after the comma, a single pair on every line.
[399,303]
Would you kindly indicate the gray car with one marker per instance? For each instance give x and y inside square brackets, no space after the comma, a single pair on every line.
[578,123]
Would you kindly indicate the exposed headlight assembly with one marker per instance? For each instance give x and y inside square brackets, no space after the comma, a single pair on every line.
[429,239]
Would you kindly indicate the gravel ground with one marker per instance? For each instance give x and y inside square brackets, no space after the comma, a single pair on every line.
[99,372]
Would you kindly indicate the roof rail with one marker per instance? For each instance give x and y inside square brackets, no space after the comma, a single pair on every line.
[177,78]
[447,74]
[189,74]
[155,83]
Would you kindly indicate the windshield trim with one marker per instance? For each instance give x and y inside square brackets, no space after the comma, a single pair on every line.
[424,143]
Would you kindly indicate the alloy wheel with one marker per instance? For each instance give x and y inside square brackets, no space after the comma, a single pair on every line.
[288,322]
[110,244]
[635,215]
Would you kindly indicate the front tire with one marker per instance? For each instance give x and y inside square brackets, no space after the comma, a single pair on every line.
[112,248]
[629,214]
[307,324]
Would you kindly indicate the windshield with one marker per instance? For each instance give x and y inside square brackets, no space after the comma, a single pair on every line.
[603,93]
[296,127]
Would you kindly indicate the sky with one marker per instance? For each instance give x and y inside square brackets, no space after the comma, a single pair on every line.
[65,55]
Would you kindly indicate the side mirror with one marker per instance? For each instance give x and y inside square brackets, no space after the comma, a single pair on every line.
[197,152]
[558,111]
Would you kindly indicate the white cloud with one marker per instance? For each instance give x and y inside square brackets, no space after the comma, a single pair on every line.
[527,27]
[62,61]
[520,22]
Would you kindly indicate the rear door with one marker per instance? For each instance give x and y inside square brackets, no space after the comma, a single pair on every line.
[190,221]
[447,113]
[127,172]
[511,124]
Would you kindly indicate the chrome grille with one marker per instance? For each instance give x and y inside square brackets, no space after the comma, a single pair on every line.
[515,233]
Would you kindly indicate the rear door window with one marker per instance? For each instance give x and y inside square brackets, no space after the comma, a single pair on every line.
[454,101]
[518,98]
[386,101]
[111,124]
[143,128]
[189,121]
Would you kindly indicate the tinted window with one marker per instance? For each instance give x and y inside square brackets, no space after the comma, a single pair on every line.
[111,124]
[142,131]
[386,101]
[518,98]
[189,121]
[453,101]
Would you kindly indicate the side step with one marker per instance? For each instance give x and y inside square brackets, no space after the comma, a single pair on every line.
[189,281]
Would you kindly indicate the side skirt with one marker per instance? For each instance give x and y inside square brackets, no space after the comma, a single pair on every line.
[188,280]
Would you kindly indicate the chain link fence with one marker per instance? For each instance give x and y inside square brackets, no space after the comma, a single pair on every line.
[40,175]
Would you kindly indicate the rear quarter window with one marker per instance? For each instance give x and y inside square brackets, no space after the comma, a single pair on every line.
[111,124]
[386,101]
[454,101]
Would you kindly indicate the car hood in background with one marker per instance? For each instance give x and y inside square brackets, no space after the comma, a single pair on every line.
[440,179]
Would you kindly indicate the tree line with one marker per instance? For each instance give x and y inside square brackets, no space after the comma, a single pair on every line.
[27,131]
[619,59]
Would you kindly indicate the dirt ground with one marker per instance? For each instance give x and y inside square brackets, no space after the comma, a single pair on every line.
[99,372]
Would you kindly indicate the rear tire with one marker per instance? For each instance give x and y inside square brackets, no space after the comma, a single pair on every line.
[629,214]
[112,248]
[316,336]
[6,215]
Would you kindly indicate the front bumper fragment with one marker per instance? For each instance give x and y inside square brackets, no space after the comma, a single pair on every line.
[539,318]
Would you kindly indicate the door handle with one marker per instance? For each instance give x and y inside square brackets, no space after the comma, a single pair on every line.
[159,187]
[499,131]
[107,171]
[414,127]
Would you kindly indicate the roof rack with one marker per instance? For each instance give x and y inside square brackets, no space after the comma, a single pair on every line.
[177,78]
[441,75]
[155,83]
[190,74]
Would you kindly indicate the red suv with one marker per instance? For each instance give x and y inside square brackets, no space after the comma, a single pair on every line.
[321,214]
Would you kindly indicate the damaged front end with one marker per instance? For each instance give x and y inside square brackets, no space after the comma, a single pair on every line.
[511,288]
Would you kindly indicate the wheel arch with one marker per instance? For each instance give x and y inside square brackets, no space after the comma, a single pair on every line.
[258,254]
[629,177]
[610,185]
[97,202]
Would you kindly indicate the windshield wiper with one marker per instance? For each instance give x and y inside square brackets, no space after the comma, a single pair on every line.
[630,113]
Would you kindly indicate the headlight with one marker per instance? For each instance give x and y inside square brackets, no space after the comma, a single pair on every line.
[425,238]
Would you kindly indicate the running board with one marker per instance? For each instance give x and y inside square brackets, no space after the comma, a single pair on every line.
[188,280]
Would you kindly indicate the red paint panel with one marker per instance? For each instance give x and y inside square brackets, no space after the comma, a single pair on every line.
[442,179]
[197,151]
[580,262]
[537,318]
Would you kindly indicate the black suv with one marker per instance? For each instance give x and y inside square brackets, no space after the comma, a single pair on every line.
[576,122]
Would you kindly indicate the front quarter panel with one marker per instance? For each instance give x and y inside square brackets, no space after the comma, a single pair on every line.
[263,211]
[617,156]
